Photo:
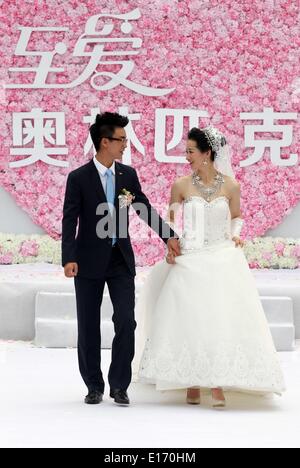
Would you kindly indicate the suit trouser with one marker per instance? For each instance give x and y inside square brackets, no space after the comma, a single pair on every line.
[89,295]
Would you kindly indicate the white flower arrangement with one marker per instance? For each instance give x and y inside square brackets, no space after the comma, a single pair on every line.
[273,253]
[18,248]
[261,252]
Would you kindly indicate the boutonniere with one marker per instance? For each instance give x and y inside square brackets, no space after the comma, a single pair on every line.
[126,198]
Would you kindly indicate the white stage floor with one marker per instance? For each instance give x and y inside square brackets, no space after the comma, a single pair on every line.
[41,405]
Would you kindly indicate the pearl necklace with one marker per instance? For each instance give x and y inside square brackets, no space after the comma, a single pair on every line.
[208,192]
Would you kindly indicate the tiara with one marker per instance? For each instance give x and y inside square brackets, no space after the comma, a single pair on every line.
[215,138]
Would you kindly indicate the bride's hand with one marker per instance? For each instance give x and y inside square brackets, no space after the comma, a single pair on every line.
[174,250]
[170,258]
[238,242]
[174,247]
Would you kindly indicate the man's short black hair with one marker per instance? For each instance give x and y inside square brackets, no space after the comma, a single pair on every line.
[105,126]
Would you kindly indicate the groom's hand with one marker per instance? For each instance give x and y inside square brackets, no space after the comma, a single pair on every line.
[71,270]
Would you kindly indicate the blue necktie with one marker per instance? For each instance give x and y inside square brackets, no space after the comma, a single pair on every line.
[110,194]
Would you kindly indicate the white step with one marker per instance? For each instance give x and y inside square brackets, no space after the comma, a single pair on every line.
[58,333]
[280,315]
[63,306]
[283,336]
[278,309]
[19,285]
[281,283]
[56,323]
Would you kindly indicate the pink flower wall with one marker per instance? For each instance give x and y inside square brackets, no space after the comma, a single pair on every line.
[225,57]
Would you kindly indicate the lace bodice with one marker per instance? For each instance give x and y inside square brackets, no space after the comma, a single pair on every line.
[205,223]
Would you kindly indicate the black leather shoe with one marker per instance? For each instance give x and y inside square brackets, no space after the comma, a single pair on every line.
[120,397]
[93,398]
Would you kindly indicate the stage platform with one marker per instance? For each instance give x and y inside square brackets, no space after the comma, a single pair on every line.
[41,406]
[37,303]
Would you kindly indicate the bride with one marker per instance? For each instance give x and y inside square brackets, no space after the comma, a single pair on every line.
[200,320]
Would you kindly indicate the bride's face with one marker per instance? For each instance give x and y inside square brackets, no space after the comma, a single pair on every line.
[195,157]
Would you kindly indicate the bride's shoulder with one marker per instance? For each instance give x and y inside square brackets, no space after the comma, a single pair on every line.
[179,188]
[181,181]
[231,182]
[232,187]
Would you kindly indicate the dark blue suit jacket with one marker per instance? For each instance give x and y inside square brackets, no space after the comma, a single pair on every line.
[84,193]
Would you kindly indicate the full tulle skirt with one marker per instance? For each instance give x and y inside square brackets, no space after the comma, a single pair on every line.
[200,323]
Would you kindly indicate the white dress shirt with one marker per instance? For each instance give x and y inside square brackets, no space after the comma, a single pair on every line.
[102,170]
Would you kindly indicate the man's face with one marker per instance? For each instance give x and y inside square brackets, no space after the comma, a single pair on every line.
[117,144]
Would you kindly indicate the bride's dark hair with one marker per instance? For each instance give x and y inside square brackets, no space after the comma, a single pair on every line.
[105,125]
[203,145]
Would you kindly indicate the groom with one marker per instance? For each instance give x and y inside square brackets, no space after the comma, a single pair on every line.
[101,253]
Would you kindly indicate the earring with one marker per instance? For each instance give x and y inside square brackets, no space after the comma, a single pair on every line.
[205,163]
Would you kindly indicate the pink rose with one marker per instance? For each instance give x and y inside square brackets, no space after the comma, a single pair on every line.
[29,249]
[279,248]
[6,259]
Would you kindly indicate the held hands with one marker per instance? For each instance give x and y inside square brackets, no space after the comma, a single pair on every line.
[238,242]
[174,251]
[71,270]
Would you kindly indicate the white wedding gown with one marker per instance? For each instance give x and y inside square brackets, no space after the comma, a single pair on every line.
[200,323]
